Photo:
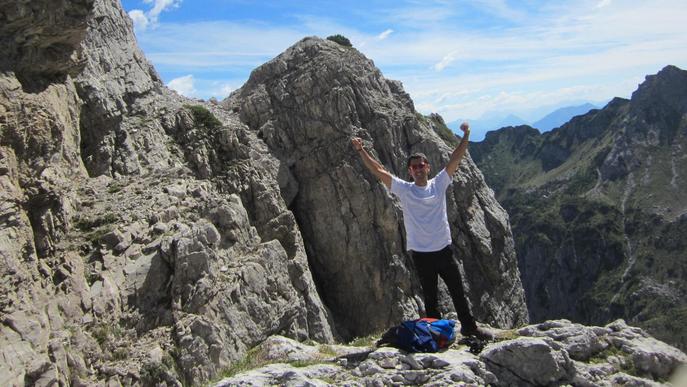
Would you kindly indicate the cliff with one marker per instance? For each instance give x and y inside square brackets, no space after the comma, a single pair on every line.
[121,260]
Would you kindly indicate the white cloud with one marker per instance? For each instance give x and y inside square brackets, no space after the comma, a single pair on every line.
[159,6]
[510,66]
[500,8]
[204,45]
[445,61]
[183,85]
[385,34]
[220,90]
[142,20]
[603,3]
[418,16]
[139,18]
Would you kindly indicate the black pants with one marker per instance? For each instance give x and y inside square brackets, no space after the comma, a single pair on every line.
[431,265]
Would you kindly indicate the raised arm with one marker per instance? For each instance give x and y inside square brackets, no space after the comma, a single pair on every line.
[459,152]
[373,165]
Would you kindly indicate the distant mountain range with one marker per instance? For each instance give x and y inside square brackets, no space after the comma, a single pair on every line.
[560,116]
[598,210]
[495,120]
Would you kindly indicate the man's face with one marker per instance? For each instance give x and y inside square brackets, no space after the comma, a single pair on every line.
[418,169]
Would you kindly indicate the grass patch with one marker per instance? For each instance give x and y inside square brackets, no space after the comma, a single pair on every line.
[365,341]
[106,333]
[602,357]
[328,380]
[510,334]
[327,350]
[254,358]
[120,354]
[114,188]
[626,364]
[88,224]
[304,363]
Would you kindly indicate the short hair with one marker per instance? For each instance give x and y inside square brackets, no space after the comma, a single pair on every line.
[417,155]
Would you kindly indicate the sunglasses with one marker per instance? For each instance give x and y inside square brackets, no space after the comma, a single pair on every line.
[417,166]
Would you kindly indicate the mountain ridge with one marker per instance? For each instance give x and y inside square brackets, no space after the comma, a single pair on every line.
[605,186]
[492,121]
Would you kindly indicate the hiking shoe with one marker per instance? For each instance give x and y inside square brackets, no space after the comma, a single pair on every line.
[480,333]
[475,345]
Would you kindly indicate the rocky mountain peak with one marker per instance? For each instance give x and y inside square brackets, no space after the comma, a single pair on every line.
[306,104]
[660,103]
[328,67]
[519,132]
[668,86]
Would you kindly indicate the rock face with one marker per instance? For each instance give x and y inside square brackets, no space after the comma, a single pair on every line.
[550,354]
[39,43]
[598,212]
[143,239]
[306,104]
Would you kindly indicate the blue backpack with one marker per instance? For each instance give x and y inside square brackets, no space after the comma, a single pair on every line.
[422,335]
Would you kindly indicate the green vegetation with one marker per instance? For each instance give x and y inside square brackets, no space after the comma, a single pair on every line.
[627,265]
[365,341]
[88,224]
[583,180]
[152,373]
[203,117]
[342,40]
[441,129]
[304,363]
[327,350]
[120,353]
[510,334]
[625,363]
[96,227]
[114,188]
[106,333]
[255,358]
[602,357]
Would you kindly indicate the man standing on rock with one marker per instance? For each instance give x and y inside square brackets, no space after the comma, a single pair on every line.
[427,230]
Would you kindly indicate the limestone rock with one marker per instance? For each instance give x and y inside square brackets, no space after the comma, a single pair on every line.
[306,104]
[529,362]
[93,146]
[513,361]
[581,342]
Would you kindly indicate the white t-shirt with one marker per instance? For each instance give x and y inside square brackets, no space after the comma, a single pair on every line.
[424,212]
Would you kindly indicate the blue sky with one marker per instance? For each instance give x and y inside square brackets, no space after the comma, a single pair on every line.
[462,59]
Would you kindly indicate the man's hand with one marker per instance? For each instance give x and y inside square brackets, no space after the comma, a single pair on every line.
[373,165]
[465,127]
[357,143]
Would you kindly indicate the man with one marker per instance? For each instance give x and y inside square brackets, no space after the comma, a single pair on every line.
[427,230]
